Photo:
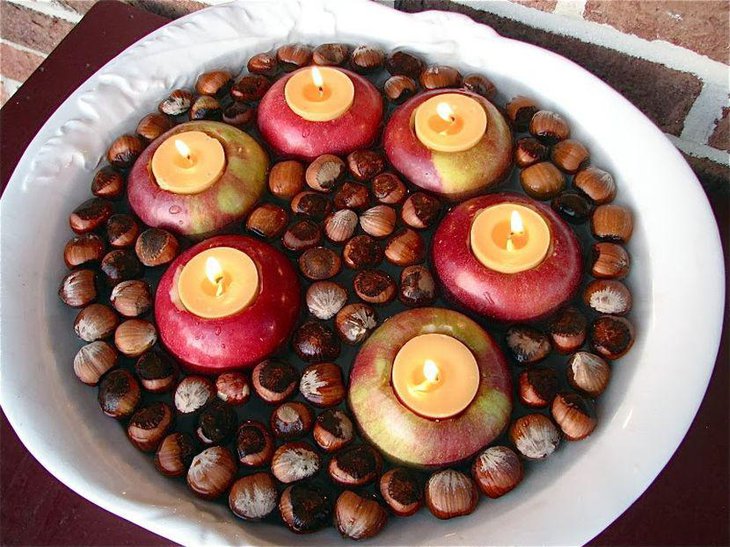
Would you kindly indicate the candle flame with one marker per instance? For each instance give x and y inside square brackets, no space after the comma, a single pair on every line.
[515,224]
[431,374]
[317,79]
[445,112]
[214,273]
[182,148]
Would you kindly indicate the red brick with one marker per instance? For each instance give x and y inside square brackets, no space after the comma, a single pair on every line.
[714,177]
[79,6]
[663,94]
[31,28]
[701,25]
[166,8]
[720,138]
[542,5]
[17,64]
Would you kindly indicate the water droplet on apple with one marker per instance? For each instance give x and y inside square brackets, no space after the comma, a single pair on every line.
[217,331]
[175,210]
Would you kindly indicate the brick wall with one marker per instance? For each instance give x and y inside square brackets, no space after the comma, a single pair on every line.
[669,57]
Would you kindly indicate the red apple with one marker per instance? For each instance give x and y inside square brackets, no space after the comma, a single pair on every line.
[239,187]
[405,437]
[453,175]
[214,346]
[291,135]
[522,296]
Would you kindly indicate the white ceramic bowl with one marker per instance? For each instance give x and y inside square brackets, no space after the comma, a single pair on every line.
[677,279]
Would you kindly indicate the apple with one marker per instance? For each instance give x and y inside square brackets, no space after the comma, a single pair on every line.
[291,135]
[214,346]
[234,194]
[522,296]
[405,437]
[453,175]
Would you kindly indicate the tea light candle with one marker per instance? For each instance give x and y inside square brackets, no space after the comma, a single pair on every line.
[435,376]
[218,282]
[509,238]
[319,94]
[188,163]
[450,122]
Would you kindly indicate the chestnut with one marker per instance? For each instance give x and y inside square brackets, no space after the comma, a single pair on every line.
[333,430]
[609,261]
[302,235]
[549,127]
[149,425]
[319,263]
[124,151]
[250,88]
[439,76]
[253,497]
[205,107]
[542,180]
[90,215]
[588,373]
[612,223]
[608,296]
[332,54]
[537,386]
[213,82]
[355,322]
[291,420]
[286,179]
[324,173]
[568,329]
[574,414]
[404,62]
[293,56]
[529,151]
[93,360]
[82,250]
[315,342]
[155,247]
[497,470]
[107,183]
[405,248]
[362,252]
[451,493]
[156,372]
[520,111]
[365,164]
[366,58]
[193,393]
[239,114]
[295,461]
[177,103]
[389,189]
[355,465]
[417,286]
[120,265]
[322,384]
[95,322]
[131,298]
[119,394]
[479,84]
[534,436]
[572,207]
[254,444]
[527,344]
[78,288]
[378,221]
[358,517]
[135,336]
[595,183]
[611,336]
[121,230]
[311,204]
[402,491]
[351,195]
[325,298]
[420,210]
[233,388]
[216,423]
[570,155]
[340,225]
[212,472]
[263,63]
[152,126]
[398,88]
[304,508]
[175,454]
[267,220]
[274,381]
[374,286]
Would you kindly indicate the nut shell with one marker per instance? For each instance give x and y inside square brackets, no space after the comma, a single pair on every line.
[389,189]
[609,261]
[291,420]
[356,465]
[155,247]
[121,231]
[263,63]
[319,263]
[90,215]
[366,58]
[405,248]
[568,329]
[175,454]
[233,388]
[193,393]
[527,345]
[253,497]
[267,220]
[152,126]
[528,151]
[149,425]
[497,470]
[311,204]
[608,296]
[450,493]
[254,444]
[549,127]
[120,265]
[570,155]
[93,360]
[405,63]
[324,173]
[216,423]
[107,183]
[250,88]
[357,517]
[355,322]
[95,322]
[611,337]
[588,373]
[293,462]
[205,107]
[534,436]
[177,103]
[83,250]
[135,336]
[132,298]
[398,88]
[322,384]
[374,286]
[542,180]
[304,508]
[119,394]
[361,252]
[365,164]
[302,235]
[213,82]
[340,225]
[124,151]
[420,210]
[352,195]
[479,84]
[78,288]
[573,207]
[520,111]
[325,298]
[156,371]
[537,386]
[378,221]
[239,114]
[286,179]
[332,54]
[574,414]
[402,491]
[274,381]
[597,184]
[293,56]
[417,286]
[212,472]
[612,223]
[333,430]
[440,76]
[315,342]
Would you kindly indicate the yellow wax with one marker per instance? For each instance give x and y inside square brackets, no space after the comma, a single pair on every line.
[188,163]
[509,238]
[218,282]
[450,122]
[319,94]
[435,375]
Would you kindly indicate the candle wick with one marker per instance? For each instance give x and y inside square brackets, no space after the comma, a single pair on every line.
[510,244]
[219,286]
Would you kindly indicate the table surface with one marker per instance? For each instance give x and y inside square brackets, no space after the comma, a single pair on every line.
[686,505]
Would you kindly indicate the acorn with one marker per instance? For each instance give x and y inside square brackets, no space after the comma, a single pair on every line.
[568,330]
[451,493]
[78,288]
[357,517]
[609,261]
[302,235]
[534,436]
[378,221]
[253,497]
[319,263]
[304,508]
[293,462]
[124,151]
[374,286]
[322,384]
[497,470]
[267,220]
[588,373]
[330,54]
[254,444]
[389,189]
[355,322]
[612,223]
[233,388]
[216,423]
[573,207]
[175,454]
[274,381]
[608,296]
[213,82]
[356,465]
[120,265]
[119,394]
[325,298]
[149,425]
[366,58]
[263,63]
[542,181]
[293,56]
[479,84]
[528,151]
[156,371]
[365,164]
[570,155]
[311,204]
[135,336]
[439,76]
[333,430]
[361,252]
[107,183]
[417,286]
[177,103]
[121,230]
[527,344]
[155,247]
[250,88]
[239,114]
[611,336]
[193,393]
[152,126]
[405,248]
[549,127]
[93,360]
[520,111]
[403,62]
[574,414]
[596,183]
[291,420]
[206,107]
[537,386]
[402,491]
[90,215]
[420,210]
[314,342]
[132,298]
[340,225]
[399,88]
[212,472]
[351,195]
[286,179]
[95,322]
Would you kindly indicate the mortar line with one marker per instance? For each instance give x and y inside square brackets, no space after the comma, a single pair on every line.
[48,8]
[21,47]
[570,8]
[700,150]
[699,123]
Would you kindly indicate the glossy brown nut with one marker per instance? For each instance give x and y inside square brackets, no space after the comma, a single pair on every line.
[479,84]
[305,508]
[295,461]
[542,180]
[405,248]
[362,252]
[417,286]
[315,342]
[157,372]
[124,151]
[90,215]
[149,425]
[82,250]
[93,360]
[365,164]
[322,385]
[78,288]
[267,220]
[286,179]
[608,296]
[572,206]
[374,286]
[574,414]
[325,298]
[405,63]
[402,491]
[175,454]
[311,204]
[399,88]
[529,151]
[420,210]
[135,336]
[389,189]
[107,183]
[120,265]
[549,127]
[206,107]
[216,423]
[609,261]
[119,394]
[250,88]
[155,247]
[568,329]
[213,83]
[319,263]
[439,76]
[233,388]
[612,223]
[611,337]
[330,54]
[340,225]
[358,517]
[121,230]
[588,373]
[597,184]
[263,63]
[152,126]
[302,235]
[274,381]
[527,345]
[570,155]
[239,114]
[451,493]
[520,111]
[95,322]
[378,221]
[537,386]
[497,470]
[253,497]
[534,436]
[356,465]
[132,298]
[254,444]
[333,430]
[193,393]
[355,322]
[293,56]
[177,103]
[291,420]
[324,173]
[366,59]
[212,472]
[352,196]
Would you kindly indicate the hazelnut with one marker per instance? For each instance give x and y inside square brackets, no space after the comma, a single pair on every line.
[479,84]
[233,388]
[175,454]
[177,103]
[213,82]
[291,420]
[95,322]
[135,336]
[274,381]
[527,344]
[324,173]
[528,151]
[253,497]
[537,386]
[325,298]
[263,63]
[311,204]
[206,108]
[333,430]
[570,155]
[107,183]
[609,261]
[534,436]
[355,322]
[497,470]
[250,88]
[216,423]
[302,235]
[451,493]
[156,372]
[340,225]
[304,508]
[608,296]
[193,393]
[295,461]
[402,491]
[293,56]
[119,394]
[612,223]
[366,59]
[399,88]
[520,111]
[319,263]
[83,250]
[351,195]
[596,183]
[362,252]
[90,215]
[120,265]
[549,127]
[405,63]
[267,220]
[542,180]
[437,77]
[611,336]
[254,444]
[322,384]
[389,189]
[588,373]
[149,425]
[122,231]
[574,415]
[330,54]
[93,360]
[572,207]
[155,247]
[212,472]
[132,298]
[152,126]
[356,465]
[365,164]
[239,114]
[374,286]
[405,248]
[378,221]
[357,517]
[315,342]
[568,330]
[124,151]
[78,288]
[417,286]
[286,179]
[420,210]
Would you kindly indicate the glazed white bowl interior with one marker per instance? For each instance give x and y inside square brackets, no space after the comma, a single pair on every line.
[677,279]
